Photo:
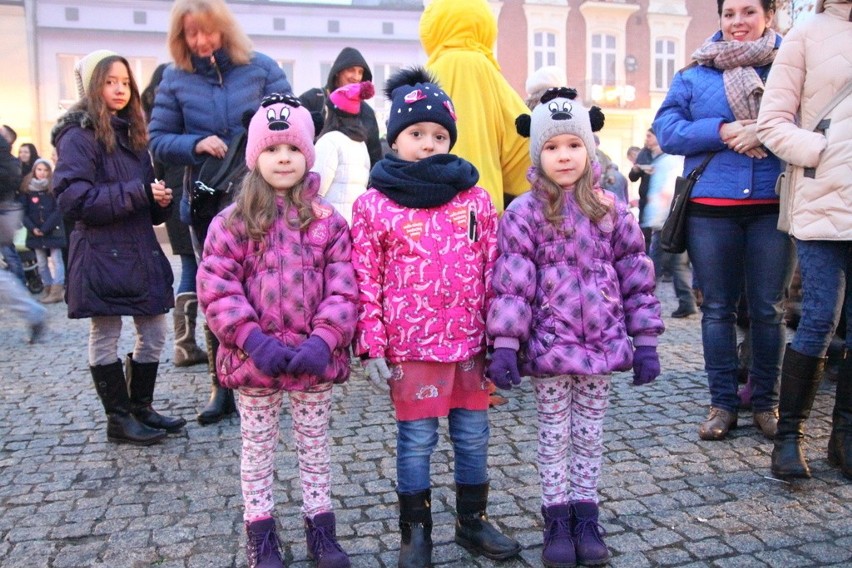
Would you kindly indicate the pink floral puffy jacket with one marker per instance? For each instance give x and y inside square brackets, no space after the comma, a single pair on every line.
[423,276]
[291,285]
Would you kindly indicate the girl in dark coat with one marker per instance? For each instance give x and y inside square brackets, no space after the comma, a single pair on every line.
[104,180]
[45,233]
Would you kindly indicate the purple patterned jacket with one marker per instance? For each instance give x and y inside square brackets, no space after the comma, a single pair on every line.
[569,299]
[292,285]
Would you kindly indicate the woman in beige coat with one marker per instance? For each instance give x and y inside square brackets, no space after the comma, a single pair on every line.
[813,65]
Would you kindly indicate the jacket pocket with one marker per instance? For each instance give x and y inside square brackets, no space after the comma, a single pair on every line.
[115,272]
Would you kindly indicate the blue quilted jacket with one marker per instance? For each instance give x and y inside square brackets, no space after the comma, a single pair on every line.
[210,100]
[688,124]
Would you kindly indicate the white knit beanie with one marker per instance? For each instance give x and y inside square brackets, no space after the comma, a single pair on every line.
[545,78]
[86,67]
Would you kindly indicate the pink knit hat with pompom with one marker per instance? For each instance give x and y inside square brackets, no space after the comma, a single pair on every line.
[348,97]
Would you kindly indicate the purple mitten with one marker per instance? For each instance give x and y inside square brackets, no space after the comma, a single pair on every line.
[646,365]
[268,354]
[503,369]
[312,358]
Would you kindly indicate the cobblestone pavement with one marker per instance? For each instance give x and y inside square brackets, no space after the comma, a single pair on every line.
[70,499]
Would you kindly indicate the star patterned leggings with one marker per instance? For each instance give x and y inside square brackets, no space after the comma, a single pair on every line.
[260,410]
[571,411]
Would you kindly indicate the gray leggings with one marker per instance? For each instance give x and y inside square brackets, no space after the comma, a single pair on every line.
[105,332]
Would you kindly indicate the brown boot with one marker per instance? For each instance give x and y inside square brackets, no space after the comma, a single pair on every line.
[717,425]
[767,422]
[56,295]
[187,351]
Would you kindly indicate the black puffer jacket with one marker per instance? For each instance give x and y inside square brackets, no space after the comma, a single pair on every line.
[316,100]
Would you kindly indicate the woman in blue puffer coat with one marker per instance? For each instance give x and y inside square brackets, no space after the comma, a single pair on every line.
[732,239]
[198,111]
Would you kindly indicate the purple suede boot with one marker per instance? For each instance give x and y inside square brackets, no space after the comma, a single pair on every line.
[321,535]
[263,548]
[588,534]
[558,549]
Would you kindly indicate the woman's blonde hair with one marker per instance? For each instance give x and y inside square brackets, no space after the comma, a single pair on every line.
[214,15]
[95,105]
[256,207]
[588,197]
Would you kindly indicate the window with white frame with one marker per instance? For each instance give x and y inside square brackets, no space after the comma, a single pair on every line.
[665,55]
[381,72]
[287,67]
[603,58]
[544,49]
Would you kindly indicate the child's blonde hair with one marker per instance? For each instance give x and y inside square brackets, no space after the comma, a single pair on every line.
[257,209]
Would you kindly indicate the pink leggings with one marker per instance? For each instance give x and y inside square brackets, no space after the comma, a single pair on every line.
[259,423]
[571,411]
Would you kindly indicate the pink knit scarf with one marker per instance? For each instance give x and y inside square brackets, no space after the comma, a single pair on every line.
[737,59]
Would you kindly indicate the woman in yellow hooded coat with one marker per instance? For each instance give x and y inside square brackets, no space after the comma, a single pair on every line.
[458,36]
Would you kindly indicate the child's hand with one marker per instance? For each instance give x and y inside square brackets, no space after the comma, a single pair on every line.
[312,358]
[162,194]
[646,365]
[377,371]
[268,353]
[503,369]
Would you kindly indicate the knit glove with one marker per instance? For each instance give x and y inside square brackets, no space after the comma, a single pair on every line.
[377,371]
[646,365]
[312,358]
[503,369]
[268,353]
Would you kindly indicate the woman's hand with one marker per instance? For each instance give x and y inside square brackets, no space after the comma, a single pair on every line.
[212,145]
[741,137]
[162,194]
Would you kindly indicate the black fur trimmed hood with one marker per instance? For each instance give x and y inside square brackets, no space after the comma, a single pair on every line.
[71,118]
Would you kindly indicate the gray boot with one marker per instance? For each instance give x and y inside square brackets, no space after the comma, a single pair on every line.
[187,351]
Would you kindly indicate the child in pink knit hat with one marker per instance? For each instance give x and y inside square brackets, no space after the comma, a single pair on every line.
[343,161]
[278,291]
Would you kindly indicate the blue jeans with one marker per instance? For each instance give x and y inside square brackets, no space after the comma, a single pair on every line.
[13,261]
[678,266]
[825,267]
[416,440]
[727,253]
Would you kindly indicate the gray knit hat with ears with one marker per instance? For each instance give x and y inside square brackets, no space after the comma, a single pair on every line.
[560,113]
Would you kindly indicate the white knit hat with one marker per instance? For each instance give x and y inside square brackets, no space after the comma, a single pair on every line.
[86,67]
[544,78]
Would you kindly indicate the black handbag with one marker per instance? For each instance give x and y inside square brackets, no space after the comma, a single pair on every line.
[217,185]
[673,233]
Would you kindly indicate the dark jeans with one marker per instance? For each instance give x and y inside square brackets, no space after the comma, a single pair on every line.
[13,260]
[728,253]
[825,267]
[416,440]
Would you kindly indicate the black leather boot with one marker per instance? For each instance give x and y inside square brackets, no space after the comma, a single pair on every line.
[122,426]
[221,403]
[415,526]
[141,379]
[840,443]
[800,378]
[473,531]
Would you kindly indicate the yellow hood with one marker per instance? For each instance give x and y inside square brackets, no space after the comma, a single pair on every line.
[458,24]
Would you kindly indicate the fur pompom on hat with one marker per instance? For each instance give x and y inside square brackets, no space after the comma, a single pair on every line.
[416,96]
[84,69]
[560,113]
[348,98]
[281,119]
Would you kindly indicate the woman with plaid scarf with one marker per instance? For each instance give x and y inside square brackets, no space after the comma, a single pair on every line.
[732,239]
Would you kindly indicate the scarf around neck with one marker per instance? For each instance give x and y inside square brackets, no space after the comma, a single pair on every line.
[424,184]
[737,60]
[38,185]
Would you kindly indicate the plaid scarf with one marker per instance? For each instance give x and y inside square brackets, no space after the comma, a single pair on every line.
[737,59]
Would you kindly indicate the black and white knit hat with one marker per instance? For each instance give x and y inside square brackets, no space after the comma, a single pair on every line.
[560,113]
[416,96]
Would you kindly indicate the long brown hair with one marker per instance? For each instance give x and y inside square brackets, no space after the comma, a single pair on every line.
[96,106]
[588,197]
[214,15]
[256,207]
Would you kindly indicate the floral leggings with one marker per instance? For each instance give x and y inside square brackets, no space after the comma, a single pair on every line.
[260,410]
[571,411]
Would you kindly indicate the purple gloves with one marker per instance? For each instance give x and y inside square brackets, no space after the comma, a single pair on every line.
[646,365]
[503,369]
[312,358]
[268,353]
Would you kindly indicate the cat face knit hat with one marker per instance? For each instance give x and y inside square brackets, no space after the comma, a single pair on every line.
[348,98]
[416,96]
[560,113]
[84,69]
[281,119]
